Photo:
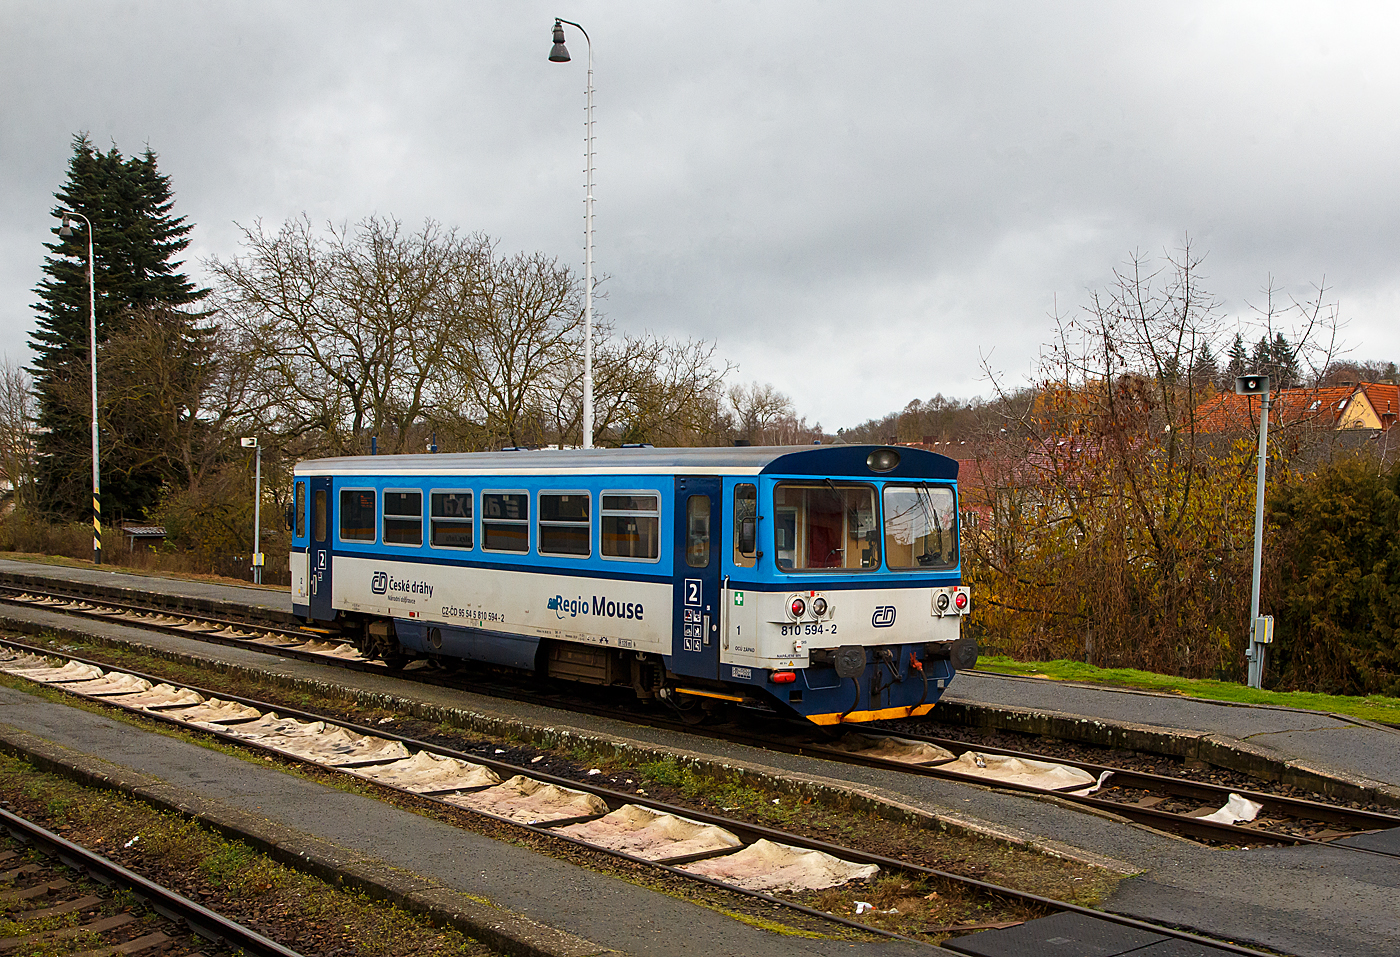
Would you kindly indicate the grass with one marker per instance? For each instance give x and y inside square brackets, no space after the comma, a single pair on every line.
[1377,708]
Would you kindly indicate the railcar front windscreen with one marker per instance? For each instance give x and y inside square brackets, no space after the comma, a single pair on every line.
[825,526]
[921,528]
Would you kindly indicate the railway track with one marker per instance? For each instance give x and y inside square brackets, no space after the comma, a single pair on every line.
[1190,808]
[55,893]
[727,853]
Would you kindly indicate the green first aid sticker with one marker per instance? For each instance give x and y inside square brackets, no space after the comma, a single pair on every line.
[738,598]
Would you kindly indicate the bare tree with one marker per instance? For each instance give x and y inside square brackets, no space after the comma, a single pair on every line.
[660,391]
[1119,530]
[18,413]
[185,398]
[350,330]
[521,334]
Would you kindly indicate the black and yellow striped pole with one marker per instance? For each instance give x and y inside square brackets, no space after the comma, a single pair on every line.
[67,230]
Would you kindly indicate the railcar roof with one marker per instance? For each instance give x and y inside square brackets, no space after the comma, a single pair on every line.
[743,460]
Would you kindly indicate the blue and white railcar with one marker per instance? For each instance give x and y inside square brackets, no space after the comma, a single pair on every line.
[821,580]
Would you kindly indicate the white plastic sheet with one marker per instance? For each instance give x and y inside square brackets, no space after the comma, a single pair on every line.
[1237,810]
[428,772]
[531,802]
[650,834]
[1043,775]
[768,866]
[894,749]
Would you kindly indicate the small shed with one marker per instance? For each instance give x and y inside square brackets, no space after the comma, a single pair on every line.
[148,535]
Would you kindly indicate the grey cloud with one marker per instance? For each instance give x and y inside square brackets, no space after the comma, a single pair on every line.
[857,202]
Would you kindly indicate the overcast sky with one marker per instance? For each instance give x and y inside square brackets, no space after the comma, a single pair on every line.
[857,202]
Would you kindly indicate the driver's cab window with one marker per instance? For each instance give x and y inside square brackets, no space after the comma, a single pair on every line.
[745,525]
[299,511]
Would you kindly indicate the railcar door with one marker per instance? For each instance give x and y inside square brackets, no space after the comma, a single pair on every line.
[695,615]
[318,572]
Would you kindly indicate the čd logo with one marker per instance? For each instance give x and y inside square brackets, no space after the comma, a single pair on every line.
[883,617]
[380,583]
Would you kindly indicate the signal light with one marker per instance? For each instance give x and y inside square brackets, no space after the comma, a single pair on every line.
[819,606]
[798,607]
[961,600]
[943,601]
[782,677]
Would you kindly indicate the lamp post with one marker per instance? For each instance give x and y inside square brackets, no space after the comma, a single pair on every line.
[560,54]
[67,230]
[1261,630]
[252,443]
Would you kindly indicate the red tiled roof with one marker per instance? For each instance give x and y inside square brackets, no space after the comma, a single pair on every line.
[1228,412]
[1385,400]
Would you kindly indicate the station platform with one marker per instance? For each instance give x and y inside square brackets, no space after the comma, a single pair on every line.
[1304,901]
[1272,740]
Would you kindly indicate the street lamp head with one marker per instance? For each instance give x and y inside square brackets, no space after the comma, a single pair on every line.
[68,224]
[560,53]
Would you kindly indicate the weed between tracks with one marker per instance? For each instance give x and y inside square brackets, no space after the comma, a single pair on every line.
[298,911]
[928,909]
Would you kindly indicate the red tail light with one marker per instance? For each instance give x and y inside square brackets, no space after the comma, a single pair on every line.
[798,607]
[782,677]
[960,600]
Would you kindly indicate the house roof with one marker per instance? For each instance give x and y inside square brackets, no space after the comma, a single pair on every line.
[1228,412]
[1384,398]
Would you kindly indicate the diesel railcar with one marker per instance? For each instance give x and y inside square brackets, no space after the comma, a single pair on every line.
[820,580]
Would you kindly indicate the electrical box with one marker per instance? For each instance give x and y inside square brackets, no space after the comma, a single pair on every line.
[1264,630]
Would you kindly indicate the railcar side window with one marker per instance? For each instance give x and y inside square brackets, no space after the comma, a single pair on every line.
[299,506]
[631,525]
[921,526]
[318,520]
[403,518]
[565,528]
[745,525]
[825,525]
[697,525]
[452,519]
[357,514]
[505,521]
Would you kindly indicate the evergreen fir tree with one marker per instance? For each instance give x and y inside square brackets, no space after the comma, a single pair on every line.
[1261,361]
[1239,359]
[1283,361]
[136,237]
[1204,371]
